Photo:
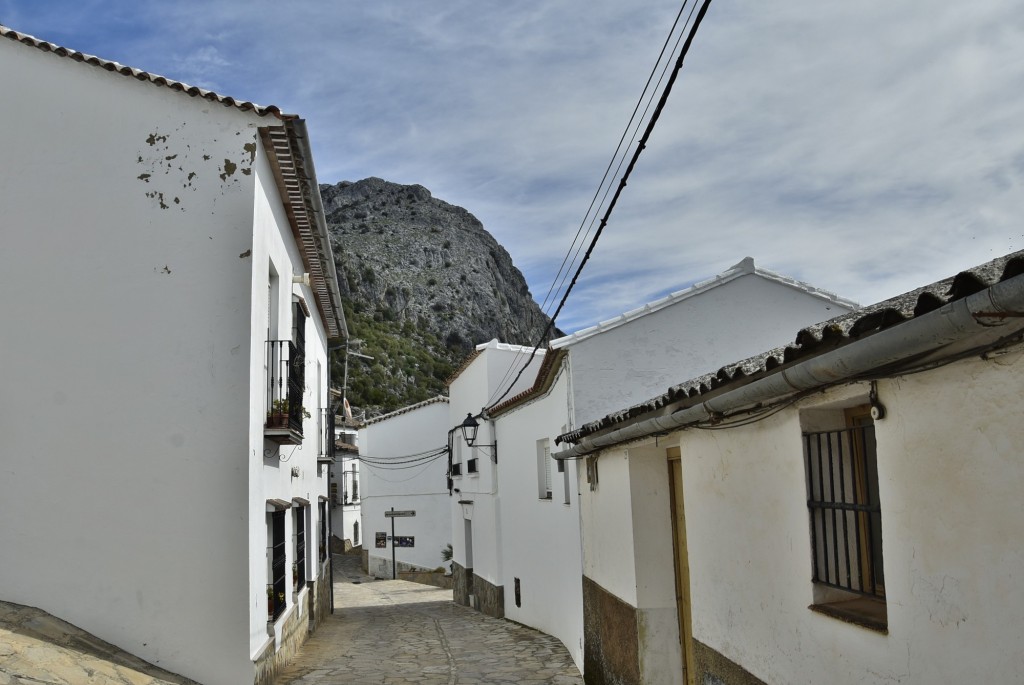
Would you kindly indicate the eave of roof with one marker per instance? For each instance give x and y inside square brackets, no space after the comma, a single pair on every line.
[546,376]
[815,340]
[406,410]
[290,157]
[155,79]
[745,267]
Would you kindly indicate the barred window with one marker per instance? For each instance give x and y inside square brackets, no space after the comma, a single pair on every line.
[276,600]
[845,515]
[299,567]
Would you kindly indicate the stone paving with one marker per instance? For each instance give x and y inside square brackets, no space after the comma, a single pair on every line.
[393,632]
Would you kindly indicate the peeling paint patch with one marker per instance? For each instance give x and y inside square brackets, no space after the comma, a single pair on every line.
[229,169]
[247,171]
[206,158]
[144,177]
[251,149]
[170,157]
[155,138]
[247,253]
[165,270]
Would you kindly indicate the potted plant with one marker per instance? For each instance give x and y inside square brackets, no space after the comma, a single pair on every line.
[270,603]
[277,415]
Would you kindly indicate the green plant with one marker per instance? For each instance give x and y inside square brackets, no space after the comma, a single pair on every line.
[447,552]
[279,407]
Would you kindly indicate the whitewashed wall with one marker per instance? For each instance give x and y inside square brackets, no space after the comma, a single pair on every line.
[950,475]
[271,472]
[641,358]
[422,488]
[128,270]
[476,387]
[541,537]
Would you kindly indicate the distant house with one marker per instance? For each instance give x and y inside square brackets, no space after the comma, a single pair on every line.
[842,509]
[171,295]
[404,464]
[346,494]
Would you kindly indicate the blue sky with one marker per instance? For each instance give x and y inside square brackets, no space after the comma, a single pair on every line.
[867,148]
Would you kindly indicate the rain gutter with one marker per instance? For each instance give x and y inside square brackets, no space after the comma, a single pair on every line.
[954,321]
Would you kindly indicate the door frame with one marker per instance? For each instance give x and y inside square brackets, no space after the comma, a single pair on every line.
[680,557]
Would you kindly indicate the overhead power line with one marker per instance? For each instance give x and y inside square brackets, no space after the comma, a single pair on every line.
[618,191]
[603,188]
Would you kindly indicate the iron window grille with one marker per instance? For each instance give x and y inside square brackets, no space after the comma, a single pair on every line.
[276,600]
[456,469]
[471,466]
[322,511]
[299,567]
[845,516]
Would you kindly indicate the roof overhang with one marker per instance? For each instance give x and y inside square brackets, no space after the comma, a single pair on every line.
[291,158]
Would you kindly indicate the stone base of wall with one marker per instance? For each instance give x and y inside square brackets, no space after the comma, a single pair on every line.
[491,598]
[470,590]
[365,554]
[462,584]
[380,567]
[611,650]
[339,546]
[320,597]
[292,632]
[714,669]
[432,578]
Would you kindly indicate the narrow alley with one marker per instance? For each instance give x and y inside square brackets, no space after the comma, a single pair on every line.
[393,632]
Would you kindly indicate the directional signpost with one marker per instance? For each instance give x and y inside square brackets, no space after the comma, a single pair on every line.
[393,515]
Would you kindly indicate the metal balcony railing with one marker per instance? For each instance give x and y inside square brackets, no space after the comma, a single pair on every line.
[286,379]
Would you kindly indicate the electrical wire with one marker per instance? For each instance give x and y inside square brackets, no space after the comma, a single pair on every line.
[641,145]
[380,467]
[574,250]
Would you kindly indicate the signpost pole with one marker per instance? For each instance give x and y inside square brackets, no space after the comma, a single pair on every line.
[394,566]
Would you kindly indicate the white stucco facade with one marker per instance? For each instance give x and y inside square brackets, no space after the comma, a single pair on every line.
[638,355]
[541,544]
[477,526]
[949,475]
[140,227]
[393,479]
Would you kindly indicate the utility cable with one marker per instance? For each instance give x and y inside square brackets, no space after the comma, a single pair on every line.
[574,250]
[622,184]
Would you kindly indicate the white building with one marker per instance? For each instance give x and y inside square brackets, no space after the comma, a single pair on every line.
[477,527]
[635,356]
[346,493]
[840,510]
[404,466]
[165,262]
[542,568]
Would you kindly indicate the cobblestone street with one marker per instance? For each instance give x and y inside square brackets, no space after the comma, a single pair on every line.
[393,632]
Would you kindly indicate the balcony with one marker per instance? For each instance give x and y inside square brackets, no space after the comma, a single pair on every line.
[286,379]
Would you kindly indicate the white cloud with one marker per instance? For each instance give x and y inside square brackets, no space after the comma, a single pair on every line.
[868,147]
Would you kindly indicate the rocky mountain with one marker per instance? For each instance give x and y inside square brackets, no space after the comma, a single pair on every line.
[423,282]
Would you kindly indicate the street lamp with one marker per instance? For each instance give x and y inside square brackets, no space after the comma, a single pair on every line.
[469,428]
